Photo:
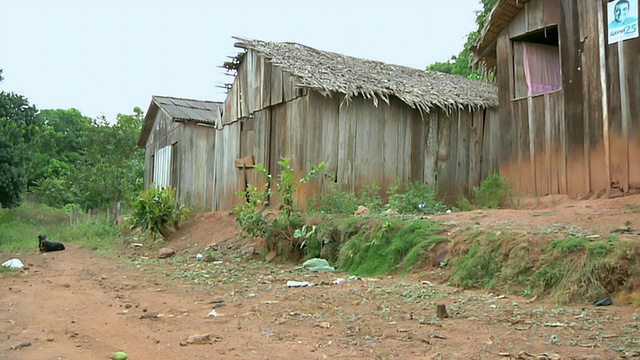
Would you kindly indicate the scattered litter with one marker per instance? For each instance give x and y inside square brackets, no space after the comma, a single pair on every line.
[150,315]
[317,264]
[13,263]
[202,339]
[21,345]
[214,313]
[338,281]
[292,283]
[324,325]
[199,256]
[267,332]
[554,325]
[604,302]
[119,355]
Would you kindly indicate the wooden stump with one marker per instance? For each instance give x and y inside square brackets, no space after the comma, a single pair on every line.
[441,311]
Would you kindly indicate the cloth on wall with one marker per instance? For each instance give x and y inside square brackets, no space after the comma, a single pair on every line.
[541,68]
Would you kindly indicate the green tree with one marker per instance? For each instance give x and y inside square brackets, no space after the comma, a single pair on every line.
[17,131]
[114,167]
[461,64]
[92,163]
[59,146]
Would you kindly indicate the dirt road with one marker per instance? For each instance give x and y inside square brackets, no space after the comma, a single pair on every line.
[77,304]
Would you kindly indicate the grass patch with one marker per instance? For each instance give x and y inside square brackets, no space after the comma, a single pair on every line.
[94,234]
[20,227]
[386,246]
[7,272]
[567,270]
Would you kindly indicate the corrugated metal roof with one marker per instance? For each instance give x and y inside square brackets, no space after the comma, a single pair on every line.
[209,112]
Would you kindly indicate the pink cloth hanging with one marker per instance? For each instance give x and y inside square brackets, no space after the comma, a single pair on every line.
[541,68]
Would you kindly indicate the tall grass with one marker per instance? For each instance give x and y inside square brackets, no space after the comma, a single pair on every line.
[383,247]
[20,227]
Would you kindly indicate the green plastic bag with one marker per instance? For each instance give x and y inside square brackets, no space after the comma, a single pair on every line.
[317,265]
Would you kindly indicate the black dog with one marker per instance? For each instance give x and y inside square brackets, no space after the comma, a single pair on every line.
[45,245]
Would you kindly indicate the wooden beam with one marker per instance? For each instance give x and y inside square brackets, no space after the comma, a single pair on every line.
[603,84]
[626,110]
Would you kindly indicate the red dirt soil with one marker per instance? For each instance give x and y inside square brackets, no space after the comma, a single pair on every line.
[77,304]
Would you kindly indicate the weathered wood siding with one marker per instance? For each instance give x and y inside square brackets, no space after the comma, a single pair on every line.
[579,140]
[191,159]
[268,118]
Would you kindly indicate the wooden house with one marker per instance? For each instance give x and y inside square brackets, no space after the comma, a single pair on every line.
[371,122]
[569,94]
[178,135]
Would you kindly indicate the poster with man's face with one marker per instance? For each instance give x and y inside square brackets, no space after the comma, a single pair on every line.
[623,20]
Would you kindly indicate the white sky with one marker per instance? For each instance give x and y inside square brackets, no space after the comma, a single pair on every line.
[106,57]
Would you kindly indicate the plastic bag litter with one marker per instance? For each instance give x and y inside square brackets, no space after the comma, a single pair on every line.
[292,283]
[317,264]
[13,263]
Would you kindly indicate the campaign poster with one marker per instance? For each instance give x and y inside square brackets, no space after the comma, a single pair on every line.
[623,20]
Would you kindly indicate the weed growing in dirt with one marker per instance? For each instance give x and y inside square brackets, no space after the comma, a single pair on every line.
[339,202]
[493,191]
[387,246]
[156,210]
[634,208]
[6,272]
[94,234]
[250,212]
[574,268]
[278,232]
[478,267]
[414,197]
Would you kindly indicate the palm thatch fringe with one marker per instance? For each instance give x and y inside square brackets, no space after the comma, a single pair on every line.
[329,72]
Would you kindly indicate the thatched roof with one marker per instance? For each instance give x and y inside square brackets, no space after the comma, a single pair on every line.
[500,17]
[329,72]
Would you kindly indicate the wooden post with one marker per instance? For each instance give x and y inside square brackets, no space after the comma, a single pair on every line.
[441,311]
[603,84]
[626,110]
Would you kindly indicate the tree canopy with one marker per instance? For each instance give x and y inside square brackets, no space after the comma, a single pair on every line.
[17,131]
[461,64]
[90,163]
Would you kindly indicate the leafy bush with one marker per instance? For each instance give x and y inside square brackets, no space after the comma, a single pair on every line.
[492,191]
[250,212]
[338,202]
[416,197]
[335,201]
[157,209]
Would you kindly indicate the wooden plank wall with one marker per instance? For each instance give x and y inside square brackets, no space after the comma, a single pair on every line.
[362,144]
[227,149]
[623,87]
[581,140]
[258,85]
